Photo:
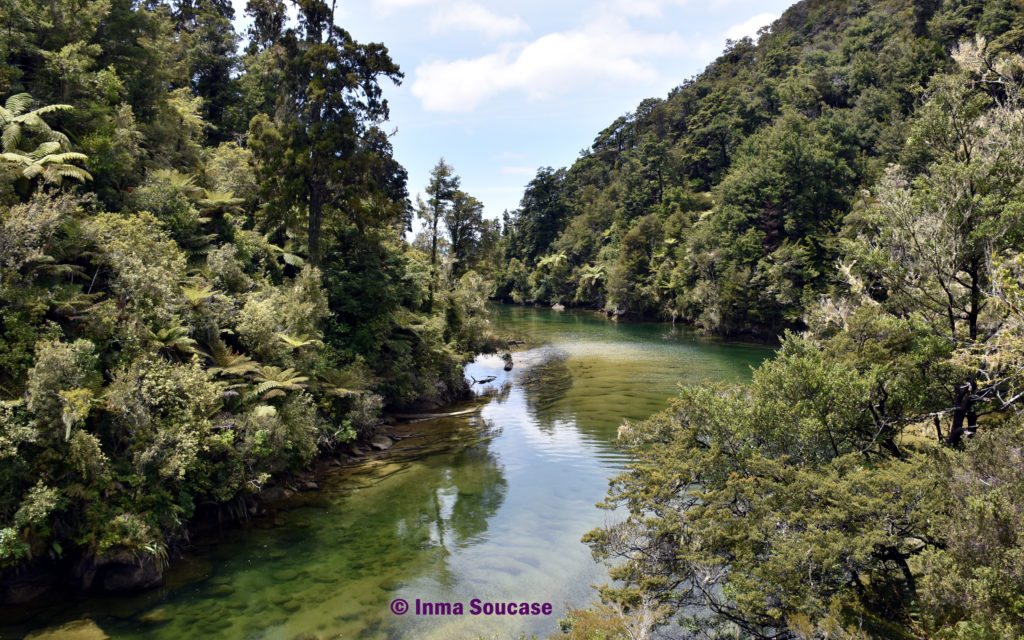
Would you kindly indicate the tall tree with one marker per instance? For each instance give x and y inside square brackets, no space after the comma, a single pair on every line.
[542,215]
[330,101]
[441,192]
[211,44]
[464,221]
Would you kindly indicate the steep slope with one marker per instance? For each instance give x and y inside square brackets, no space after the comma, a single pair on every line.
[722,203]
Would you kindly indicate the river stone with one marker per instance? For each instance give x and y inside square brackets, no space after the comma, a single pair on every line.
[78,630]
[285,575]
[381,442]
[155,616]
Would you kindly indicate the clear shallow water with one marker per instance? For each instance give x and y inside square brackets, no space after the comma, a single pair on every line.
[490,505]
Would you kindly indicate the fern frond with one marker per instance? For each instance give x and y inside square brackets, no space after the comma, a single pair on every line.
[70,171]
[198,295]
[15,157]
[46,149]
[50,108]
[298,343]
[62,158]
[11,136]
[17,104]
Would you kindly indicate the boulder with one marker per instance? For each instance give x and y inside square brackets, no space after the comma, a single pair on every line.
[78,630]
[130,572]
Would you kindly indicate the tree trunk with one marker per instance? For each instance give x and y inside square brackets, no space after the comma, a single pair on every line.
[433,261]
[962,410]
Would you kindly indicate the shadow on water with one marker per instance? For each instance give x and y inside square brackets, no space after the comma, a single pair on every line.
[490,505]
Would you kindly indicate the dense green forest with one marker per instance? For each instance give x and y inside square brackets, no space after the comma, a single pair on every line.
[204,281]
[855,180]
[724,204]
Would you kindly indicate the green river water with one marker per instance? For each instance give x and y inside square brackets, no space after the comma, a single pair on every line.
[489,506]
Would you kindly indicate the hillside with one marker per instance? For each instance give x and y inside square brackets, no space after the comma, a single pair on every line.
[723,203]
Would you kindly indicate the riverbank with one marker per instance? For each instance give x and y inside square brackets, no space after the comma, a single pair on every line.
[487,505]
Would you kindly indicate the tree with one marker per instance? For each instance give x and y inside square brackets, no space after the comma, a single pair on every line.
[211,44]
[441,190]
[927,239]
[330,100]
[541,216]
[464,221]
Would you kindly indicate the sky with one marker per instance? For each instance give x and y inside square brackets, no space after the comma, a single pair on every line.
[500,88]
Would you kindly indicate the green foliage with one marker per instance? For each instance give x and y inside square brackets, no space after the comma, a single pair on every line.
[752,166]
[866,483]
[50,159]
[164,345]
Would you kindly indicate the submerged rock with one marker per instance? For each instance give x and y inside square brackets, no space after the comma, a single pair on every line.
[78,630]
[156,616]
[275,493]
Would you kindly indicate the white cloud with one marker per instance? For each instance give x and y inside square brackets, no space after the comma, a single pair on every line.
[387,7]
[749,28]
[518,171]
[605,50]
[655,8]
[470,16]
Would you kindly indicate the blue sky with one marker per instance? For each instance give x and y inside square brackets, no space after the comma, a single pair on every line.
[502,88]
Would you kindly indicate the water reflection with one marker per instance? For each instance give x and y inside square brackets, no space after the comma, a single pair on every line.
[488,506]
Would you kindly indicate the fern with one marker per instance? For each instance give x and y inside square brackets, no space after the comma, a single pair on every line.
[174,340]
[274,382]
[227,362]
[197,295]
[298,343]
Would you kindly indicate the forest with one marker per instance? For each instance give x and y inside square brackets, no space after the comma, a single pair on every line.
[853,182]
[206,283]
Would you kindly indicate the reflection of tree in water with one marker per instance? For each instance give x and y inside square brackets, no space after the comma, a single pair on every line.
[449,502]
[545,384]
[481,489]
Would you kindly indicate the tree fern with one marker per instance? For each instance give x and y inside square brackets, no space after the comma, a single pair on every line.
[274,382]
[174,340]
[227,362]
[298,343]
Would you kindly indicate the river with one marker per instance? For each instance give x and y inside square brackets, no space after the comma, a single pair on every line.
[489,506]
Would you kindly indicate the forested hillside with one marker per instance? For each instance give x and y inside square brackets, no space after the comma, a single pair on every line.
[204,280]
[724,204]
[859,176]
